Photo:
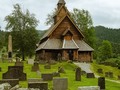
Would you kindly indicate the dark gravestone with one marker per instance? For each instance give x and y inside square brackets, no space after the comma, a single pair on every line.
[109,74]
[101,83]
[40,85]
[47,77]
[90,75]
[78,74]
[47,66]
[35,67]
[106,74]
[100,70]
[56,74]
[83,73]
[18,62]
[15,72]
[118,77]
[60,84]
[12,82]
[61,70]
[0,69]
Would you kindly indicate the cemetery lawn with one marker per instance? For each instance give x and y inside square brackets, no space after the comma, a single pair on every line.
[70,74]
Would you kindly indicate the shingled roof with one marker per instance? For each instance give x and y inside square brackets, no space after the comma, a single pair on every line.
[83,46]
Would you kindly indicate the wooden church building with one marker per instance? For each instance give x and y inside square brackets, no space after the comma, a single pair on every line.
[63,40]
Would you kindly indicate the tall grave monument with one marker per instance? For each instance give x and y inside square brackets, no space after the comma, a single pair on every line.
[10,47]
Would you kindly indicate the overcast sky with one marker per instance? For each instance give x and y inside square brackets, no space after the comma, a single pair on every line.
[103,12]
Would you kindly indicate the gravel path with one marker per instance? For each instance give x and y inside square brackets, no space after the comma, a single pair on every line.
[86,67]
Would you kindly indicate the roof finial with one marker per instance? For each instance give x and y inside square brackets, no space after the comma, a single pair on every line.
[60,3]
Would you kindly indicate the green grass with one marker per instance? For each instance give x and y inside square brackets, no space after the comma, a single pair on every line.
[115,70]
[70,74]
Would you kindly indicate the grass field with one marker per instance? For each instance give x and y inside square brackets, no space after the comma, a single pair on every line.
[70,74]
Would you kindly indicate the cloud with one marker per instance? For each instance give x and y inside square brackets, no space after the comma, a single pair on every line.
[103,12]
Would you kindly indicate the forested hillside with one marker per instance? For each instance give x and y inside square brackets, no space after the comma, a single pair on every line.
[112,35]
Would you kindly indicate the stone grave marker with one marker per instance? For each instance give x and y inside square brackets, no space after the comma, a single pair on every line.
[89,88]
[56,74]
[100,70]
[35,67]
[78,74]
[18,62]
[47,66]
[60,84]
[118,77]
[90,75]
[109,74]
[0,69]
[47,76]
[106,74]
[12,82]
[39,85]
[15,72]
[61,70]
[101,83]
[83,73]
[31,61]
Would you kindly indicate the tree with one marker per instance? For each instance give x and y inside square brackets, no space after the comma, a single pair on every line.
[105,51]
[84,22]
[22,26]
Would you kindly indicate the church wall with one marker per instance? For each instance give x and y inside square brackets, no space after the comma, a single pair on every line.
[84,56]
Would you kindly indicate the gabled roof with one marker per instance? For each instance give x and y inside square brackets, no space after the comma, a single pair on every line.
[63,6]
[52,28]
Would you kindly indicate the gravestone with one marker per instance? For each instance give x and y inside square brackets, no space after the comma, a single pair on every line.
[0,69]
[109,74]
[47,66]
[15,72]
[78,74]
[101,83]
[60,84]
[12,82]
[61,70]
[100,70]
[118,77]
[56,74]
[10,47]
[90,75]
[35,67]
[47,77]
[18,62]
[40,85]
[31,61]
[106,74]
[89,88]
[83,73]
